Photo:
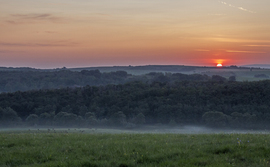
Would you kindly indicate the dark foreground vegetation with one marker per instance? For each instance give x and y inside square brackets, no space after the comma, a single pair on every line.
[215,103]
[131,150]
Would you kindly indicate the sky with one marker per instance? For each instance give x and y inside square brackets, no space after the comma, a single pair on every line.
[87,33]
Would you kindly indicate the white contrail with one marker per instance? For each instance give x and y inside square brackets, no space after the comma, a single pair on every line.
[240,8]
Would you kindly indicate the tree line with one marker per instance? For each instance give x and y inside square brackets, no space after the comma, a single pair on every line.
[215,103]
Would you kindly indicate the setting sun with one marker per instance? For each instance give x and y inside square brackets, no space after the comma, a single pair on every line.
[219,65]
[41,34]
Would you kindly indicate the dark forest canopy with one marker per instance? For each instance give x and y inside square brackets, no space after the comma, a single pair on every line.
[215,103]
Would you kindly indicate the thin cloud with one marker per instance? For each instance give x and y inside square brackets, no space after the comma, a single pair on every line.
[240,8]
[44,16]
[13,22]
[217,14]
[202,50]
[31,18]
[235,40]
[55,44]
[9,51]
[240,51]
[257,45]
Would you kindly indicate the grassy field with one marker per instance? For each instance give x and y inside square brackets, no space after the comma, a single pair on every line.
[64,148]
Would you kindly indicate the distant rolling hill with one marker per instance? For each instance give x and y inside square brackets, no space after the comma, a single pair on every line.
[258,65]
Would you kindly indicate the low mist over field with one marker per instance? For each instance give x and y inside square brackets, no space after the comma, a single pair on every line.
[142,130]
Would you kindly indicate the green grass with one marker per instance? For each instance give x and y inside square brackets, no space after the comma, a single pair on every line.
[89,150]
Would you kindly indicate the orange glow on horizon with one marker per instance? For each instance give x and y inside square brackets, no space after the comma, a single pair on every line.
[64,33]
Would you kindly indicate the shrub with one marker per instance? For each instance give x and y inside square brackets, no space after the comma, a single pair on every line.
[32,119]
[215,119]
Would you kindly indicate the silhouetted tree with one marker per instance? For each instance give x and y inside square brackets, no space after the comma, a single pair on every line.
[9,117]
[218,78]
[32,119]
[215,119]
[118,119]
[139,119]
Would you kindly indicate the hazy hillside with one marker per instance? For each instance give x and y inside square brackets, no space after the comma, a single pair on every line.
[23,79]
[17,80]
[266,66]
